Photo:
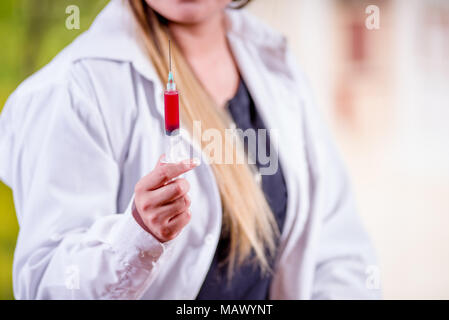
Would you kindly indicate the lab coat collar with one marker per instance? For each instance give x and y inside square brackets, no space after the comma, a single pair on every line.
[114,36]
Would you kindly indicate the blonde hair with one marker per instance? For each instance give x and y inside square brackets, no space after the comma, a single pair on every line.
[247,217]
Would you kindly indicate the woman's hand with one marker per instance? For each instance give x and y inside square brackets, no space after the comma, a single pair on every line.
[161,204]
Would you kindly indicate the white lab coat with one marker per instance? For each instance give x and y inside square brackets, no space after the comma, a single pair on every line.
[76,137]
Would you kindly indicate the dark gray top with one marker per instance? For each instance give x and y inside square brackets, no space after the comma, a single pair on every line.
[247,283]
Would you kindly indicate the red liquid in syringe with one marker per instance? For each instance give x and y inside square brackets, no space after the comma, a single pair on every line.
[171,101]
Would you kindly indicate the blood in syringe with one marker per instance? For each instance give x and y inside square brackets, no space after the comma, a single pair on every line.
[171,102]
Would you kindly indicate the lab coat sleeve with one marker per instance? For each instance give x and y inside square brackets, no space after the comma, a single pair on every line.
[344,259]
[71,244]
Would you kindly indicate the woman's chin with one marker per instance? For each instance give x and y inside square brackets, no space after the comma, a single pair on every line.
[190,15]
[187,11]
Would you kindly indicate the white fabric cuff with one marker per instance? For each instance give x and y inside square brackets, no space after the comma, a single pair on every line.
[133,243]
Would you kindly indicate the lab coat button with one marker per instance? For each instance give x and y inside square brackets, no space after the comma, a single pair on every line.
[209,239]
[55,237]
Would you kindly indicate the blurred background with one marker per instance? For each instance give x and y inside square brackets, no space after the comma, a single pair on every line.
[384,93]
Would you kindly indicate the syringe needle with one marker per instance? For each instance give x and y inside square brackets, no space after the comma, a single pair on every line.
[169,54]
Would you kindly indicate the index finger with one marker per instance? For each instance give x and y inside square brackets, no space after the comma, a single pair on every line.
[164,172]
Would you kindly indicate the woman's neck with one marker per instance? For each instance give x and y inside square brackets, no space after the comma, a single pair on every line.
[206,49]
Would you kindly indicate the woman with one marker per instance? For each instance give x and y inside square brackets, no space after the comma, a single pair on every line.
[84,137]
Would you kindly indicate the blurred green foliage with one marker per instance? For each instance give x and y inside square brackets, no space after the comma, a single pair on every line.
[32,32]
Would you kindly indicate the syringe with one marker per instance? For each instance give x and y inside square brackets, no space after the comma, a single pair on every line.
[174,152]
[171,101]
